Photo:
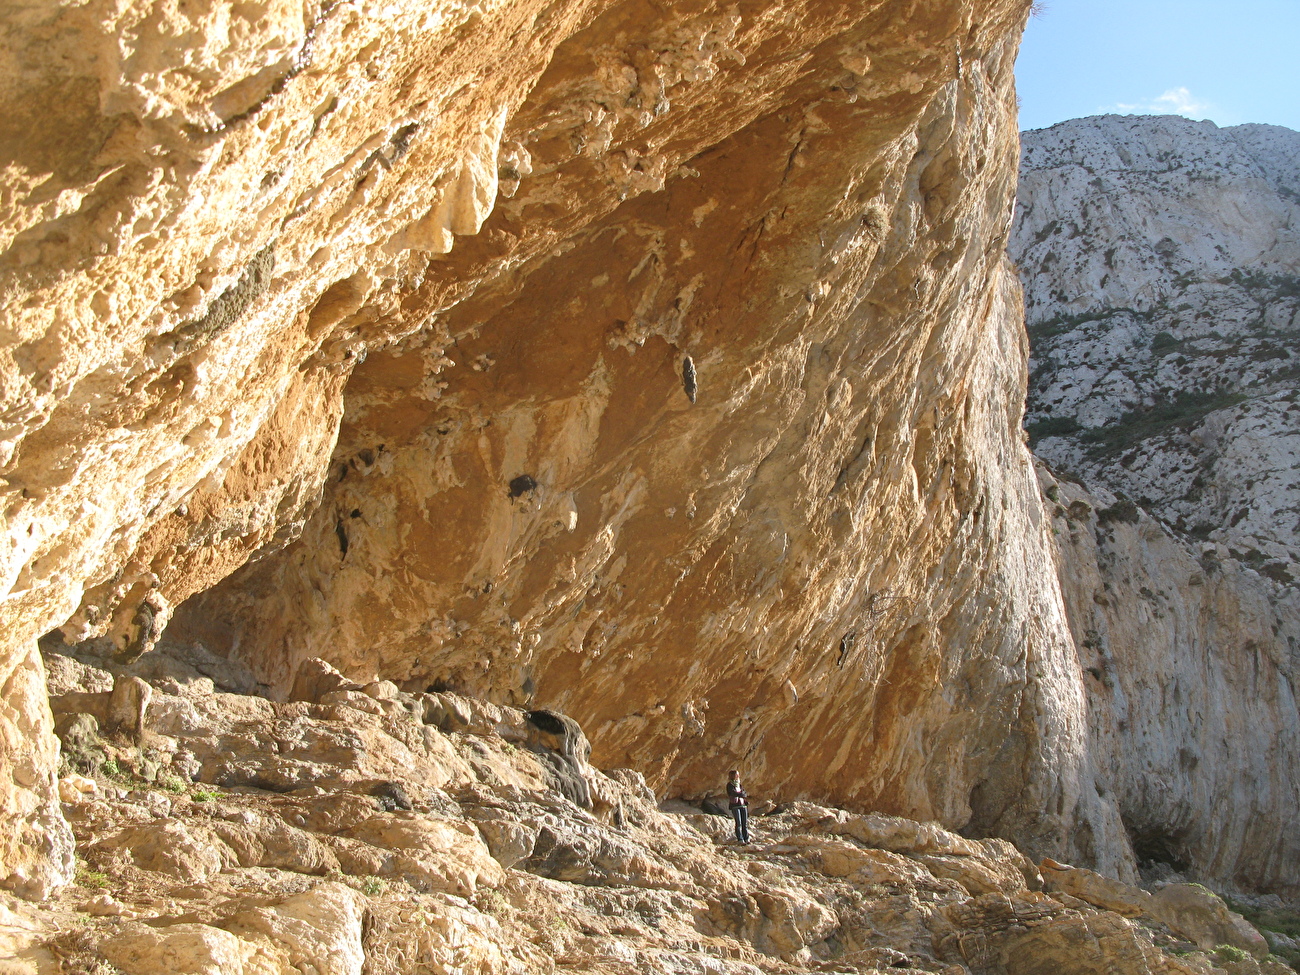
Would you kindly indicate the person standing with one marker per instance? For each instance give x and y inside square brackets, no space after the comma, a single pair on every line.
[738,801]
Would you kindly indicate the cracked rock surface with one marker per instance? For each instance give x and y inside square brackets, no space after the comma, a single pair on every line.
[1160,260]
[391,832]
[660,364]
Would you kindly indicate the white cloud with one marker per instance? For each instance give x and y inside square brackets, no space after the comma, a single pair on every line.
[1175,101]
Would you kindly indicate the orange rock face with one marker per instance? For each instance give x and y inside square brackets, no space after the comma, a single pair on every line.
[675,364]
[714,444]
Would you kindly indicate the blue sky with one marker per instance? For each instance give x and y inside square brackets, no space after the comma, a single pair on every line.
[1230,61]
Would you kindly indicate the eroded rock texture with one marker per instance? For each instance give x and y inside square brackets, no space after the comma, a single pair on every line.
[368,830]
[1159,258]
[690,397]
[210,212]
[836,551]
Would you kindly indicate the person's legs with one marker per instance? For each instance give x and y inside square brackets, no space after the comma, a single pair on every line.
[738,817]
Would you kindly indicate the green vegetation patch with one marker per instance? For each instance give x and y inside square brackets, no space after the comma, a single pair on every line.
[1277,920]
[1230,953]
[1181,413]
[1281,285]
[1061,324]
[112,770]
[1164,343]
[1053,426]
[170,783]
[1122,510]
[93,879]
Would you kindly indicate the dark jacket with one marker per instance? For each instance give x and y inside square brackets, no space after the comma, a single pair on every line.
[737,795]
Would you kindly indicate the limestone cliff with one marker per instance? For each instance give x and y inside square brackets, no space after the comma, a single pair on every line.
[1159,258]
[660,363]
[1189,670]
[1161,262]
[715,446]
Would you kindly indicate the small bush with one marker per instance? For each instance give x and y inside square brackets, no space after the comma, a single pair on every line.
[1164,343]
[1288,955]
[1230,953]
[373,886]
[92,879]
[1053,426]
[1122,510]
[170,783]
[111,770]
[204,795]
[1277,920]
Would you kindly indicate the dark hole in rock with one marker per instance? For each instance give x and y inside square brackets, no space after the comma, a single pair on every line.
[846,646]
[521,485]
[343,537]
[356,512]
[1157,844]
[391,796]
[546,721]
[402,139]
[439,687]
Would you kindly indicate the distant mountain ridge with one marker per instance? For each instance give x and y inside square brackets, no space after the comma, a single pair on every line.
[1160,260]
[1161,265]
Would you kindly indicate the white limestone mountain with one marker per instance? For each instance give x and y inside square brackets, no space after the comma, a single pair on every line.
[1160,262]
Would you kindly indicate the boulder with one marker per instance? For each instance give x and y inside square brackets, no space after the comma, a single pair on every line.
[77,789]
[508,840]
[320,931]
[976,874]
[169,847]
[1092,887]
[315,678]
[1198,914]
[268,841]
[81,748]
[904,835]
[128,704]
[441,854]
[194,949]
[839,859]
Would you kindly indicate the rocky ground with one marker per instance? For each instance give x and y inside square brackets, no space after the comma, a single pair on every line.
[373,830]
